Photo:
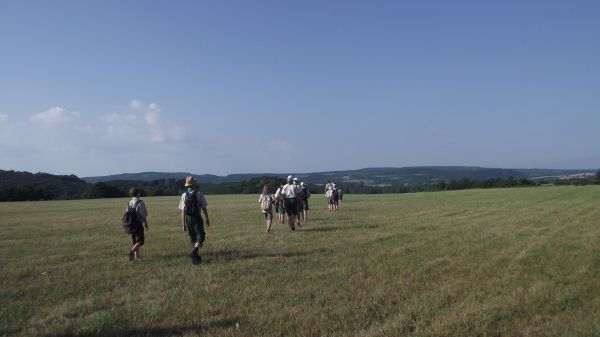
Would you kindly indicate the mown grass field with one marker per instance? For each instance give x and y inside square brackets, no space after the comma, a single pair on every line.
[505,262]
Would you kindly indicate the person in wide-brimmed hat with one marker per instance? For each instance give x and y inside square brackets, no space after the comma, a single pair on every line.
[192,201]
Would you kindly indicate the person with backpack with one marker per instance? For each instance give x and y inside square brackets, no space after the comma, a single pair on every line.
[299,200]
[334,198]
[280,204]
[134,221]
[327,186]
[266,205]
[305,196]
[290,192]
[192,201]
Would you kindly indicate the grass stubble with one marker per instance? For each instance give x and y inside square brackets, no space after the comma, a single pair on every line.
[503,262]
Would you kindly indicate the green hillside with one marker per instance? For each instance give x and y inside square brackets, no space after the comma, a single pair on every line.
[502,262]
[44,185]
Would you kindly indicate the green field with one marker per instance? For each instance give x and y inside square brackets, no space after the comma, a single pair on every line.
[504,262]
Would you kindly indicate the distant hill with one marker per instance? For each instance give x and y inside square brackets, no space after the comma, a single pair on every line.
[369,176]
[20,186]
[47,186]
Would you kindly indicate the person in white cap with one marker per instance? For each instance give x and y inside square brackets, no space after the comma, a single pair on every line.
[190,205]
[332,198]
[335,196]
[290,192]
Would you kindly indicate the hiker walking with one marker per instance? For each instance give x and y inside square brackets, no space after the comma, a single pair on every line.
[299,200]
[305,196]
[280,204]
[136,218]
[340,195]
[289,192]
[190,205]
[327,186]
[334,198]
[266,201]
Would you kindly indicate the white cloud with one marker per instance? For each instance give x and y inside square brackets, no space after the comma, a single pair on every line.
[152,114]
[3,117]
[118,118]
[153,107]
[151,118]
[55,115]
[135,104]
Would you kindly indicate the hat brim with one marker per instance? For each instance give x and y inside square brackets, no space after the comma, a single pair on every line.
[191,183]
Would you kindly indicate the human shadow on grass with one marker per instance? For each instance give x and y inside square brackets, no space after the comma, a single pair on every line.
[230,255]
[174,330]
[335,229]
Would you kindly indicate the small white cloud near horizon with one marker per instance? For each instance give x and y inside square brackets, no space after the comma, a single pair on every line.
[135,104]
[118,118]
[55,115]
[152,114]
[3,117]
[141,121]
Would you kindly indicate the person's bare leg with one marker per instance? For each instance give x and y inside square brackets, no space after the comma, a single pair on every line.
[135,250]
[269,222]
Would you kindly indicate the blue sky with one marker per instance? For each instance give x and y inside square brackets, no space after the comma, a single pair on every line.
[94,88]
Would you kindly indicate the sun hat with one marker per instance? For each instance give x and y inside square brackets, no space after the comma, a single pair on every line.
[295,179]
[190,181]
[302,184]
[289,178]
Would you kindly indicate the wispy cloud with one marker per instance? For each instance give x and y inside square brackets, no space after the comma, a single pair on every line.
[152,114]
[62,138]
[53,116]
[135,104]
[141,121]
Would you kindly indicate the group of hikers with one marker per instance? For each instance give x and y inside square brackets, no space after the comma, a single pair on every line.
[290,199]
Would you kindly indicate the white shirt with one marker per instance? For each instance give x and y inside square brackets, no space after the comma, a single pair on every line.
[141,207]
[291,190]
[199,196]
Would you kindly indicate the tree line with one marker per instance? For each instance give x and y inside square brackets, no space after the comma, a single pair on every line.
[43,190]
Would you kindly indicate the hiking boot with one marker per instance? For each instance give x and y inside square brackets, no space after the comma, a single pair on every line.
[130,255]
[196,259]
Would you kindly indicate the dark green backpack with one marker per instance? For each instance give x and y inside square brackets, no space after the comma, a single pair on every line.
[131,219]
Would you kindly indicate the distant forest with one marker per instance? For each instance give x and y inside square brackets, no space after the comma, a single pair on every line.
[25,186]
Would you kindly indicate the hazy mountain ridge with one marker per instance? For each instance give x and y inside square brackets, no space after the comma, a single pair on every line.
[370,176]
